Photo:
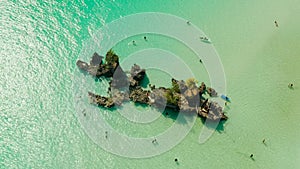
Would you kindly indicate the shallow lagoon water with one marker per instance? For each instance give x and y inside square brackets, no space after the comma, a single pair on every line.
[41,41]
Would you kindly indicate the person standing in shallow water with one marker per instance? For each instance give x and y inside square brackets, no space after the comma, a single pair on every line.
[106,134]
[276,24]
[133,42]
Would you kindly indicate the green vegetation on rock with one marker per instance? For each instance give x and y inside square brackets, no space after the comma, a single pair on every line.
[172,97]
[111,57]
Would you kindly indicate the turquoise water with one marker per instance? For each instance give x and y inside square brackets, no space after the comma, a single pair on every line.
[41,41]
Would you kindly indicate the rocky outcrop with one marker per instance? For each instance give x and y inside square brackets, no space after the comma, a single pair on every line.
[96,68]
[100,100]
[119,97]
[139,95]
[136,75]
[211,110]
[182,96]
[212,92]
[202,88]
[96,59]
[119,79]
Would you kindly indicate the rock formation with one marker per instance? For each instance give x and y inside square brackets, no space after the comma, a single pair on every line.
[182,96]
